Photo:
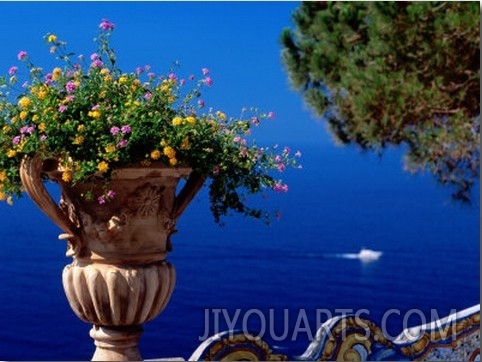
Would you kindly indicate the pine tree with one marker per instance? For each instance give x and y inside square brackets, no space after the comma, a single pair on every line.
[394,73]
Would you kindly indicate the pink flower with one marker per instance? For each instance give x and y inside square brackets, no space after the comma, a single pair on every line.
[70,86]
[139,70]
[208,81]
[279,187]
[287,150]
[278,159]
[255,120]
[126,129]
[200,103]
[12,70]
[101,200]
[148,95]
[62,108]
[43,137]
[70,97]
[122,143]
[281,167]
[111,194]
[96,107]
[298,154]
[151,75]
[106,25]
[94,56]
[96,63]
[205,71]
[172,76]
[182,82]
[271,115]
[16,140]
[216,170]
[22,55]
[27,129]
[115,130]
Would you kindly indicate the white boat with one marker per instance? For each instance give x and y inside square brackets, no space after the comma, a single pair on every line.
[368,254]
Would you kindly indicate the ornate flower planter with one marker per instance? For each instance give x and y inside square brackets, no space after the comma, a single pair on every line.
[119,277]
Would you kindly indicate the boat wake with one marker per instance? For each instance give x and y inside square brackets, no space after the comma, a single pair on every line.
[365,255]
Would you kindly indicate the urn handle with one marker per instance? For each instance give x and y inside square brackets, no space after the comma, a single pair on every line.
[31,170]
[190,189]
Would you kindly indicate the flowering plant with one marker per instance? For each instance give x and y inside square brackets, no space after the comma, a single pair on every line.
[93,118]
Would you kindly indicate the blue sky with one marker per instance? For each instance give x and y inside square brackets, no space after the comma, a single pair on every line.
[237,41]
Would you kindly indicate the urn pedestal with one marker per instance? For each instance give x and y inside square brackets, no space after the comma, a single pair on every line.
[119,277]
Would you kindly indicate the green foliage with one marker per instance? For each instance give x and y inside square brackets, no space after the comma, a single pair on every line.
[395,73]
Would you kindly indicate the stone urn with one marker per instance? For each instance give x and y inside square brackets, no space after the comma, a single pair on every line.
[119,277]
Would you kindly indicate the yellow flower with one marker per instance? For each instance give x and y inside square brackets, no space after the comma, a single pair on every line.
[110,148]
[2,196]
[103,166]
[221,115]
[6,129]
[171,99]
[52,38]
[104,71]
[41,94]
[136,83]
[169,152]
[165,88]
[23,115]
[3,176]
[78,140]
[11,153]
[35,118]
[24,102]
[67,176]
[94,114]
[122,79]
[107,78]
[156,154]
[56,73]
[163,143]
[42,127]
[191,120]
[177,121]
[80,128]
[185,144]
[173,161]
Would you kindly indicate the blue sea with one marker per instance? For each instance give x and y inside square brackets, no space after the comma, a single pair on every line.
[340,201]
